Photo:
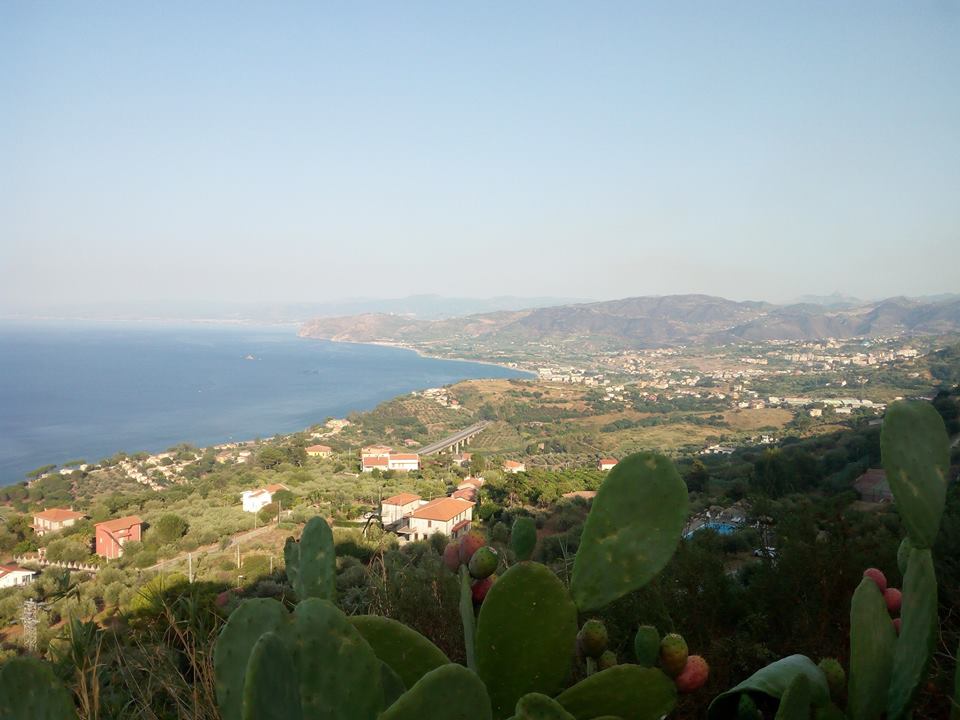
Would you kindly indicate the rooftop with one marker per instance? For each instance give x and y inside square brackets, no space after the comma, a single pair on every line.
[58,515]
[442,509]
[401,499]
[119,524]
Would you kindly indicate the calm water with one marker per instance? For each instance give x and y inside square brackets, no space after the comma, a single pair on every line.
[88,390]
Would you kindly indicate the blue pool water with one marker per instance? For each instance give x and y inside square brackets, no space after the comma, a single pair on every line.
[720,528]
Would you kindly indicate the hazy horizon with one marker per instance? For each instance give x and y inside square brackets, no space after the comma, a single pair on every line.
[318,154]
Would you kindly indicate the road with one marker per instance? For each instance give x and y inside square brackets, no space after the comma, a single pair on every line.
[442,445]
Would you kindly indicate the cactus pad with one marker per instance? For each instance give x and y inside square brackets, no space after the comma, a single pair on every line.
[632,530]
[231,654]
[523,538]
[317,562]
[916,455]
[536,706]
[630,692]
[773,681]
[272,688]
[526,633]
[872,641]
[795,703]
[450,692]
[29,689]
[406,651]
[917,635]
[646,645]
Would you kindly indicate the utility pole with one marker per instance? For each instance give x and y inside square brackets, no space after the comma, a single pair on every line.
[190,567]
[238,555]
[279,510]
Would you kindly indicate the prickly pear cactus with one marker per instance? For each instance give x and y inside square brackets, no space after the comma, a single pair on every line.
[536,706]
[231,654]
[338,674]
[632,530]
[312,563]
[29,689]
[450,692]
[626,691]
[773,681]
[271,691]
[916,456]
[526,632]
[872,642]
[404,650]
[917,635]
[523,538]
[795,703]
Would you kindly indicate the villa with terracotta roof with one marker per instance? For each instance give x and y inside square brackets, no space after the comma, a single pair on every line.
[471,482]
[401,462]
[397,507]
[54,520]
[256,500]
[873,486]
[512,466]
[375,451]
[15,576]
[112,535]
[323,451]
[448,515]
[606,464]
[369,463]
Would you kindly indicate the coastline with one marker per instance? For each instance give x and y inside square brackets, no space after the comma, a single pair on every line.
[12,477]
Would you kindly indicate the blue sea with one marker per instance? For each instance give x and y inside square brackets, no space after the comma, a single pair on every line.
[87,390]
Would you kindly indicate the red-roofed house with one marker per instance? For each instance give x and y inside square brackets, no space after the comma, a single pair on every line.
[606,464]
[395,508]
[112,535]
[463,458]
[873,486]
[465,493]
[15,576]
[448,515]
[512,466]
[323,451]
[375,451]
[471,482]
[54,520]
[369,463]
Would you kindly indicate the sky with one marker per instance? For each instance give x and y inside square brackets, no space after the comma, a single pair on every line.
[287,152]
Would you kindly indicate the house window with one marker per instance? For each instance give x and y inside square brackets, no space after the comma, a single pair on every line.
[429,523]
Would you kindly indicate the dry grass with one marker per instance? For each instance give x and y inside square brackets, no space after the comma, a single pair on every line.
[757,419]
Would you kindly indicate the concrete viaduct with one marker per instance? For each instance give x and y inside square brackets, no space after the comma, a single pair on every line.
[456,441]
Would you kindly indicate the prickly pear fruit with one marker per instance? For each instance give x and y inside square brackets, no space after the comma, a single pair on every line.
[673,654]
[897,624]
[592,639]
[451,556]
[877,576]
[646,645]
[484,562]
[836,678]
[469,544]
[893,598]
[480,588]
[694,674]
[607,660]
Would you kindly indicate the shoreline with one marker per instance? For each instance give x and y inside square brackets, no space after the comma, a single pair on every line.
[9,482]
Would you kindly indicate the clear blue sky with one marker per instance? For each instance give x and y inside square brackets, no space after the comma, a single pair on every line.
[285,152]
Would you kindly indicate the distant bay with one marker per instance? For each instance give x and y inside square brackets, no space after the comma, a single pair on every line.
[73,391]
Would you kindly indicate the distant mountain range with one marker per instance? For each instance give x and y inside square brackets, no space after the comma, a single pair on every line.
[655,321]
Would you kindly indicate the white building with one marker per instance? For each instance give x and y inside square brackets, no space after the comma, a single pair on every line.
[394,509]
[512,466]
[451,516]
[403,462]
[256,500]
[15,576]
[606,464]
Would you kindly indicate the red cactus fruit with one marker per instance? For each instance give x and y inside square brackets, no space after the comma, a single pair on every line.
[673,654]
[592,639]
[480,588]
[877,576]
[451,556]
[484,562]
[893,598]
[694,674]
[469,544]
[896,625]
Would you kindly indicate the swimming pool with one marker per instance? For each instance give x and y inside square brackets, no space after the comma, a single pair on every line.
[721,528]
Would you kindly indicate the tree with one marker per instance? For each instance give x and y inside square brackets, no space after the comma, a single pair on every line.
[698,477]
[271,457]
[478,463]
[170,528]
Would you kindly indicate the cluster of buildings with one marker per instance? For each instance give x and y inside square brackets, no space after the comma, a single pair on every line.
[383,457]
[109,536]
[413,518]
[441,396]
[570,375]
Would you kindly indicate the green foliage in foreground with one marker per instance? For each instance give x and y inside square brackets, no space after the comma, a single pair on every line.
[312,662]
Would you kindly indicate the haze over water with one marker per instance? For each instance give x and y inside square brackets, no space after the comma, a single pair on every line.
[88,390]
